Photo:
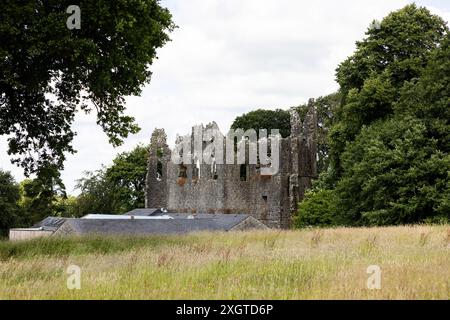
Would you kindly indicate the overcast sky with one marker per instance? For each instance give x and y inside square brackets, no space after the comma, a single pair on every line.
[229,57]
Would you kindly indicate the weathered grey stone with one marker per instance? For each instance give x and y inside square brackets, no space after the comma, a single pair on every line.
[156,181]
[219,188]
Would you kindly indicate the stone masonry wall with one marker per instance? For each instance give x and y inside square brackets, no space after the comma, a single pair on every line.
[270,199]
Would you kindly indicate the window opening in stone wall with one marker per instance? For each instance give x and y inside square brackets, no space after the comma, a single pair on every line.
[214,169]
[182,171]
[196,171]
[288,186]
[159,170]
[243,172]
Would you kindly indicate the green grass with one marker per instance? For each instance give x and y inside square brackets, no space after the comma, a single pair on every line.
[61,247]
[306,264]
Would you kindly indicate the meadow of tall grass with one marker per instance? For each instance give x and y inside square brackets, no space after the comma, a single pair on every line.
[305,264]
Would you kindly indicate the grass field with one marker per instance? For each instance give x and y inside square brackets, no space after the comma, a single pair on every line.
[307,264]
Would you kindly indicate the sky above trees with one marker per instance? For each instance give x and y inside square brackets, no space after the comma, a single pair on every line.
[230,57]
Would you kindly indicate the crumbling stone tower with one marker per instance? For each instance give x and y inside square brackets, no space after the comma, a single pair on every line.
[303,144]
[236,188]
[156,180]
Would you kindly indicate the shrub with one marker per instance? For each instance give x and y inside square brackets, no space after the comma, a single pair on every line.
[318,209]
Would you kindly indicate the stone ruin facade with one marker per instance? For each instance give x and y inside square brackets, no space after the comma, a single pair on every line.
[236,188]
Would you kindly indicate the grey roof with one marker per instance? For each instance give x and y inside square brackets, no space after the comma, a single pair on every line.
[133,227]
[50,223]
[144,212]
[219,216]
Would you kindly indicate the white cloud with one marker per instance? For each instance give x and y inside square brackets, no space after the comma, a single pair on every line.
[228,57]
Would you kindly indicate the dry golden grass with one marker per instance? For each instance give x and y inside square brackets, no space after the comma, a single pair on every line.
[307,264]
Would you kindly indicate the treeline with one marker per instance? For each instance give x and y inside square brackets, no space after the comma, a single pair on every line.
[115,189]
[384,137]
[389,141]
[383,141]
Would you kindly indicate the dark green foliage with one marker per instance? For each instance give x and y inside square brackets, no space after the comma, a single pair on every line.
[398,49]
[372,78]
[318,209]
[429,98]
[49,72]
[116,189]
[9,198]
[393,174]
[127,175]
[390,140]
[264,119]
[39,196]
[96,194]
[66,207]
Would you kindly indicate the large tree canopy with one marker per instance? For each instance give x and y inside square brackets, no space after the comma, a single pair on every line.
[9,198]
[49,72]
[264,119]
[40,195]
[397,47]
[389,145]
[394,173]
[393,53]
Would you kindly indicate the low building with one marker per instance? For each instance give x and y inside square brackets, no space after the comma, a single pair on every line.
[146,222]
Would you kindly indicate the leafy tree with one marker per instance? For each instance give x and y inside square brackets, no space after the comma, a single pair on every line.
[389,144]
[116,189]
[9,198]
[318,209]
[398,48]
[427,98]
[264,119]
[40,195]
[127,175]
[372,78]
[393,174]
[48,72]
[66,207]
[97,195]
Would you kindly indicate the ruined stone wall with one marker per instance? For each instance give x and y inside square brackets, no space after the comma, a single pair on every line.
[156,180]
[259,196]
[270,199]
[303,140]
